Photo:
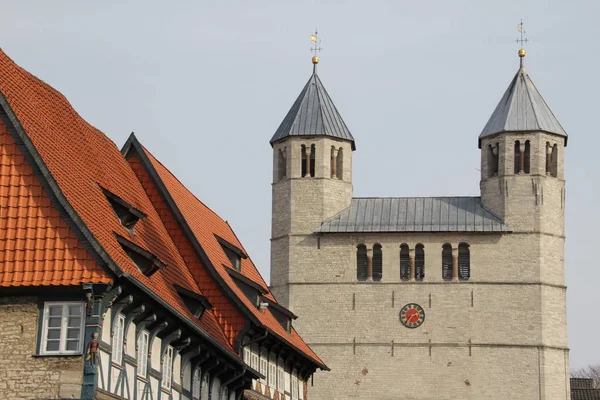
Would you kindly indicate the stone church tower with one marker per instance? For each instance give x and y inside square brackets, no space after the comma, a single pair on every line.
[426,297]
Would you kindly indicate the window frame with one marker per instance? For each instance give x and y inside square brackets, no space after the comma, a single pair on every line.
[118,340]
[196,383]
[280,376]
[62,346]
[143,360]
[294,390]
[169,356]
[272,369]
[264,367]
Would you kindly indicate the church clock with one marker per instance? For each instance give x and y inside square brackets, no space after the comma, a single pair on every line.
[412,315]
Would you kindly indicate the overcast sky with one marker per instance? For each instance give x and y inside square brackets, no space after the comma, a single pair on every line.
[204,85]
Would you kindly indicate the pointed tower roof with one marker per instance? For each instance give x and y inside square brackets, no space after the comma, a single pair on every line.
[313,114]
[522,108]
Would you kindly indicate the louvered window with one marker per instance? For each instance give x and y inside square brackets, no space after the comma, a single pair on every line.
[303,167]
[527,160]
[419,262]
[263,367]
[554,161]
[272,372]
[281,167]
[464,262]
[517,157]
[361,262]
[377,262]
[404,263]
[312,160]
[447,262]
[339,168]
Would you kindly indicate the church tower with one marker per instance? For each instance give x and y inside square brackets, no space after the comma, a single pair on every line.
[312,179]
[523,182]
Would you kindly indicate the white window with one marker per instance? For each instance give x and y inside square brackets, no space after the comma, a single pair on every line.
[142,354]
[205,388]
[117,340]
[263,367]
[225,394]
[167,368]
[254,360]
[300,389]
[196,384]
[62,328]
[294,386]
[281,377]
[272,371]
[247,355]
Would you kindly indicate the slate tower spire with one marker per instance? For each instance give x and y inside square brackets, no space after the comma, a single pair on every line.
[312,180]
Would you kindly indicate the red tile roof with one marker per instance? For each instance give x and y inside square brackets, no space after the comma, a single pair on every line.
[37,247]
[205,224]
[81,160]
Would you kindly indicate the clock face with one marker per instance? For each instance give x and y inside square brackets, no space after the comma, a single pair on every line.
[412,315]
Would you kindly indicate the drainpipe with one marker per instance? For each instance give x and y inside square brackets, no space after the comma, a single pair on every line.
[229,382]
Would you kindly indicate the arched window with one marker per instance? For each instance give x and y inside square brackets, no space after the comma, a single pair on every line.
[281,165]
[312,160]
[464,262]
[404,263]
[361,262]
[492,157]
[303,167]
[333,162]
[517,157]
[204,389]
[340,164]
[554,161]
[527,159]
[196,384]
[377,262]
[419,262]
[447,262]
[214,390]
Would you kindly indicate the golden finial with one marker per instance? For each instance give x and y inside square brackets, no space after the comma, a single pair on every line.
[315,39]
[522,40]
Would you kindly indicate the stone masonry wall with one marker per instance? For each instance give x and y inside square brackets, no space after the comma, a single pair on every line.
[23,376]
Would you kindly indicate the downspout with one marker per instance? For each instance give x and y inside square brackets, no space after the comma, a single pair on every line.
[258,339]
[229,382]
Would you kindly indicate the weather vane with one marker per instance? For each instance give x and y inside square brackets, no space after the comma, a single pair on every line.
[522,30]
[315,39]
[521,41]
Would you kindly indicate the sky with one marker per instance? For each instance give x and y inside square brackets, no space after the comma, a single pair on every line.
[205,84]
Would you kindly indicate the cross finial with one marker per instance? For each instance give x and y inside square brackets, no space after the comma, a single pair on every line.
[316,42]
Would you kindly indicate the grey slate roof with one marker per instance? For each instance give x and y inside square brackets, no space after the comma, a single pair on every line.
[415,214]
[313,114]
[522,108]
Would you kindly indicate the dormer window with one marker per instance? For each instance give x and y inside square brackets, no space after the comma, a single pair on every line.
[127,214]
[195,302]
[233,253]
[251,289]
[146,262]
[281,314]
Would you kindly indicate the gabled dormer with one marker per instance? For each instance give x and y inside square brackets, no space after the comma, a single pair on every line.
[233,253]
[145,261]
[196,303]
[128,215]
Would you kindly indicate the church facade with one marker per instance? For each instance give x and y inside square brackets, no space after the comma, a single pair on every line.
[426,298]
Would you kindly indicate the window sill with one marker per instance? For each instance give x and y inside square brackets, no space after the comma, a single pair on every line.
[57,355]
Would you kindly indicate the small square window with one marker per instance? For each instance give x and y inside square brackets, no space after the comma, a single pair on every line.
[62,328]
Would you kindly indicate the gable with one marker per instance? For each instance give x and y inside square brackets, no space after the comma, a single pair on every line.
[37,247]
